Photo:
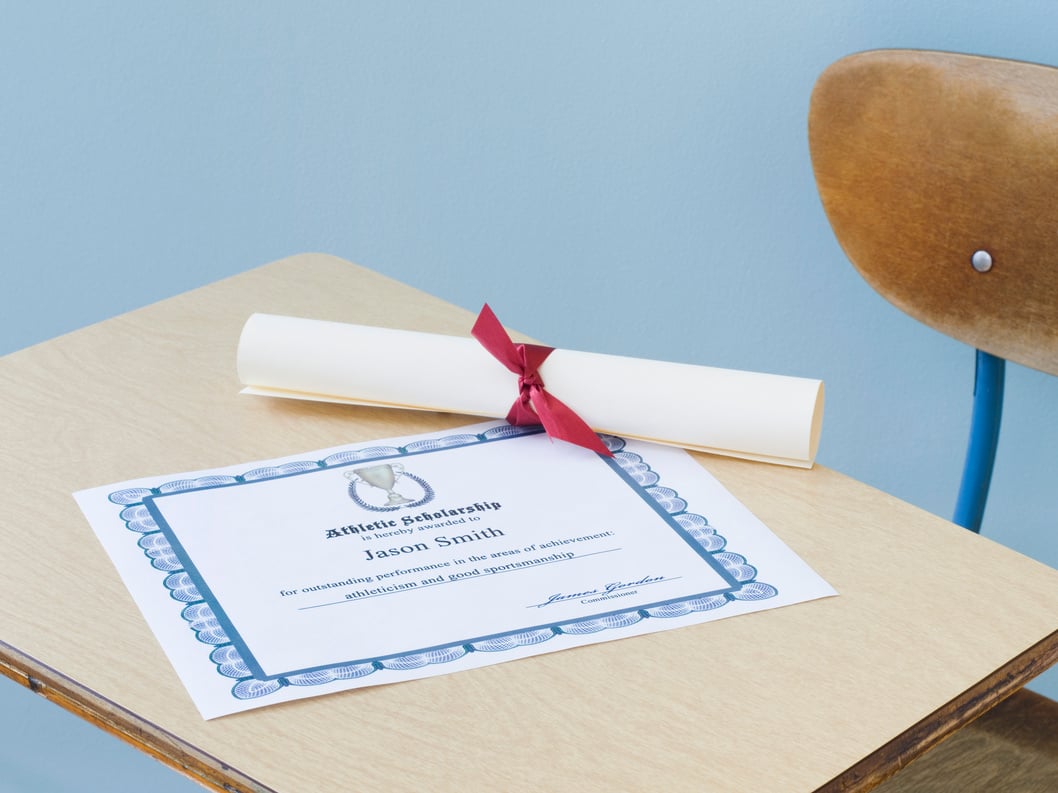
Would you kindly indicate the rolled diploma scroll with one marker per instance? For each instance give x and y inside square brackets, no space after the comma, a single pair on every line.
[765,417]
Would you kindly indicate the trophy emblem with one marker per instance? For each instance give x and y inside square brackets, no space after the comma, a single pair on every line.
[385,477]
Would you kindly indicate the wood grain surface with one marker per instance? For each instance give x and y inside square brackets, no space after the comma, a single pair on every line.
[932,624]
[923,159]
[1013,747]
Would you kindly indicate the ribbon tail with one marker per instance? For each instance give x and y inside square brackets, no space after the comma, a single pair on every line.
[521,414]
[491,334]
[560,421]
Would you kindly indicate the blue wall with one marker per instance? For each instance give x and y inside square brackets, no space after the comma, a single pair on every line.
[620,177]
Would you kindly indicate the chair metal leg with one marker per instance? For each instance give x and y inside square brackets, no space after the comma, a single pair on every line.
[984,437]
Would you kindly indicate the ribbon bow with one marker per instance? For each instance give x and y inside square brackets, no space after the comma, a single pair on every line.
[534,404]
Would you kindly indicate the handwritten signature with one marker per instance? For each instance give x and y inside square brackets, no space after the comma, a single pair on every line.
[612,589]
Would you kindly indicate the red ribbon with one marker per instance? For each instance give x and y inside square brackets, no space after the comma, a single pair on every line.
[534,404]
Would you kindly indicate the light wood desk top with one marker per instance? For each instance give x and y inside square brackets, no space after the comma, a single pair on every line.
[932,626]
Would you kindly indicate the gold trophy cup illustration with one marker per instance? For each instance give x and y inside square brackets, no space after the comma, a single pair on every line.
[383,476]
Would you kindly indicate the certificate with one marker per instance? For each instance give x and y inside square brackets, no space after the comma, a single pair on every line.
[399,559]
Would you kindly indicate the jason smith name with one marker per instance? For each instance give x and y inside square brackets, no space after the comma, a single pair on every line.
[440,541]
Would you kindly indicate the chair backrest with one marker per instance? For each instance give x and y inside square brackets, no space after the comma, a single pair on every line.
[923,159]
[939,175]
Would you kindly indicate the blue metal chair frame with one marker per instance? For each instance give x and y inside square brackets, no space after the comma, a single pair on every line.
[989,377]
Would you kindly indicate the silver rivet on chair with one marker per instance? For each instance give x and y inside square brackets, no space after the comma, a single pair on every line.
[981,261]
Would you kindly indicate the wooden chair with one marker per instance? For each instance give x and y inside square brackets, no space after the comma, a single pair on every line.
[939,175]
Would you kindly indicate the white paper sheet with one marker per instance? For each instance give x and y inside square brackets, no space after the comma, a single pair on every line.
[771,418]
[405,558]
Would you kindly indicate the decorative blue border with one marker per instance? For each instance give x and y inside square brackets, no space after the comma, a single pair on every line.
[138,514]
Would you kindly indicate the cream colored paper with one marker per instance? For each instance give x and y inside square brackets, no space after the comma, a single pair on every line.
[765,417]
